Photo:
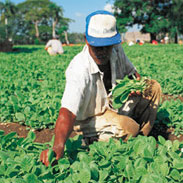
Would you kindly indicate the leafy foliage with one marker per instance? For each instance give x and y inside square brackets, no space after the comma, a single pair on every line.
[155,17]
[141,159]
[32,82]
[161,62]
[170,113]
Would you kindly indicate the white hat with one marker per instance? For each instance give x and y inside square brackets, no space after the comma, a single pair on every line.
[101,29]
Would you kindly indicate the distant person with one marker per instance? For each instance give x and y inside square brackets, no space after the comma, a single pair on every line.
[166,39]
[54,46]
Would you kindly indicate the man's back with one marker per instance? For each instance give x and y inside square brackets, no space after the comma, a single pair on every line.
[56,45]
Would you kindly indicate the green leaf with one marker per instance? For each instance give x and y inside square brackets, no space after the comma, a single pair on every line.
[83,157]
[31,178]
[63,164]
[31,136]
[19,180]
[174,155]
[168,144]
[176,144]
[178,164]
[124,97]
[2,170]
[84,175]
[175,174]
[116,103]
[103,174]
[26,163]
[151,178]
[140,171]
[51,155]
[161,140]
[130,169]
[9,136]
[3,155]
[122,163]
[104,163]
[20,116]
[27,110]
[14,100]
[4,180]
[137,147]
[118,90]
[94,171]
[153,143]
[147,153]
[164,168]
[1,132]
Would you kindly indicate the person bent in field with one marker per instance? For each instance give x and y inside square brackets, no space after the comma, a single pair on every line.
[54,46]
[85,106]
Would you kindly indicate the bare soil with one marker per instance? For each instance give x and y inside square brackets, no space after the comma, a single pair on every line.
[45,135]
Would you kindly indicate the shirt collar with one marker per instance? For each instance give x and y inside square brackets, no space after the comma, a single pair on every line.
[93,66]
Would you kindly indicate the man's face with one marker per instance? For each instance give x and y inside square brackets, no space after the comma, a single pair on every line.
[101,55]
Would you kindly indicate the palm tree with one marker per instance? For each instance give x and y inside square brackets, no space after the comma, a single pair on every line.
[7,10]
[56,12]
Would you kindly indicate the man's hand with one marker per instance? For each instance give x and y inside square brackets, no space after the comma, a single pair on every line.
[63,129]
[44,157]
[136,93]
[137,75]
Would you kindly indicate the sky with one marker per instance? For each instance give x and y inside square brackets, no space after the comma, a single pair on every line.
[77,10]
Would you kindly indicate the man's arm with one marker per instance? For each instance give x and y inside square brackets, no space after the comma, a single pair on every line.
[63,129]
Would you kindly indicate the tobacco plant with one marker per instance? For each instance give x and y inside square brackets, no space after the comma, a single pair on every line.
[139,160]
[121,91]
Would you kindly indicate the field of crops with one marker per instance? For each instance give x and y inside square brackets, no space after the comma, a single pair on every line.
[32,84]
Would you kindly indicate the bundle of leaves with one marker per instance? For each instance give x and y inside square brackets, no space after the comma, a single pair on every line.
[121,91]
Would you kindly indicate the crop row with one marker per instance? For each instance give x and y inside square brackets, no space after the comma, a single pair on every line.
[141,159]
[32,82]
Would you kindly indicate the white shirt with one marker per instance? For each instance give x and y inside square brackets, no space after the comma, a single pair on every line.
[56,45]
[85,94]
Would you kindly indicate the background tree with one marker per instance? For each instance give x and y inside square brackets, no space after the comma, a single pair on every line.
[7,13]
[150,14]
[56,13]
[60,25]
[40,19]
[176,19]
[76,38]
[63,28]
[35,12]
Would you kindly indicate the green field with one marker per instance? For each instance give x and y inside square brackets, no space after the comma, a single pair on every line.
[32,82]
[32,85]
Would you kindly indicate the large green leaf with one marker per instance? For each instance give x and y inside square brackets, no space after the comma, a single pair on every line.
[175,174]
[103,174]
[20,116]
[116,103]
[31,178]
